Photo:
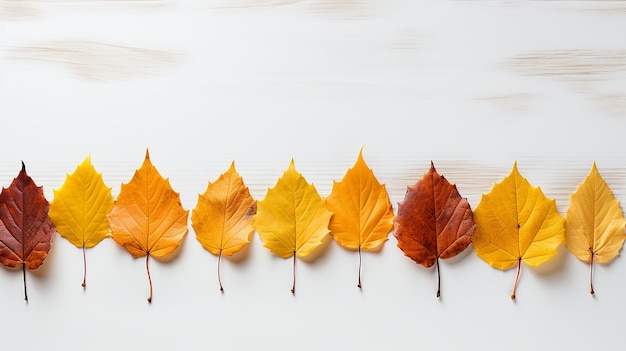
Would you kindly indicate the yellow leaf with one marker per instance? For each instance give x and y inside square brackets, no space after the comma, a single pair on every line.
[148,218]
[80,208]
[516,222]
[223,216]
[362,213]
[292,219]
[594,228]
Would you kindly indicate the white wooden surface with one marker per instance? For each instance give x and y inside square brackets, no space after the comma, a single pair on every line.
[471,85]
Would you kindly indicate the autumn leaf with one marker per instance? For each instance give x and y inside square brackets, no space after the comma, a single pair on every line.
[594,227]
[26,230]
[223,216]
[362,213]
[433,222]
[148,218]
[80,208]
[292,219]
[516,222]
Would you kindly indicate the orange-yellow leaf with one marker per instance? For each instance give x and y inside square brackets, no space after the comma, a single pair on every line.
[148,218]
[80,208]
[517,223]
[292,219]
[223,216]
[362,212]
[594,227]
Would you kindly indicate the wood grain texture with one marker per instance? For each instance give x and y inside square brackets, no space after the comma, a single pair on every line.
[97,61]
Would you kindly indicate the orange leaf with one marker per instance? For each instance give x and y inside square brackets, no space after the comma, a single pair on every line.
[223,216]
[433,221]
[362,213]
[148,218]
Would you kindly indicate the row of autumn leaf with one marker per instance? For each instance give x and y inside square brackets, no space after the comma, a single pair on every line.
[514,223]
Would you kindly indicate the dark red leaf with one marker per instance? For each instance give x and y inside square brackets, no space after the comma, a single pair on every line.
[26,231]
[433,221]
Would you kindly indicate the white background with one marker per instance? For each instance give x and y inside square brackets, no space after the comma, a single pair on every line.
[470,85]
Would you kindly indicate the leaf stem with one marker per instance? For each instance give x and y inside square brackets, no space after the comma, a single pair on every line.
[358,285]
[519,267]
[149,278]
[438,278]
[84,284]
[591,273]
[219,278]
[293,287]
[24,275]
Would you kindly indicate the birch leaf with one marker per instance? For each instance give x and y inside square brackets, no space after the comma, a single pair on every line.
[80,208]
[148,218]
[292,219]
[517,223]
[594,227]
[26,231]
[362,212]
[433,221]
[223,216]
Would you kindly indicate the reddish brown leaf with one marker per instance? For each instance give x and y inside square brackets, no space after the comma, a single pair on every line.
[433,221]
[26,231]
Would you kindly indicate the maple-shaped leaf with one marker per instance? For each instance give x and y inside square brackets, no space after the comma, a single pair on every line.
[594,226]
[80,207]
[148,218]
[223,216]
[362,212]
[26,230]
[292,219]
[516,222]
[433,221]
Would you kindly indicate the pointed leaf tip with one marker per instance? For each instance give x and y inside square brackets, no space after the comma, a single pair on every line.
[147,162]
[361,152]
[292,166]
[23,167]
[86,161]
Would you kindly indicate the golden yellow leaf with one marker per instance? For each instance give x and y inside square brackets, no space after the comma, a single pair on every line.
[362,212]
[80,208]
[148,218]
[594,227]
[516,222]
[292,219]
[223,216]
